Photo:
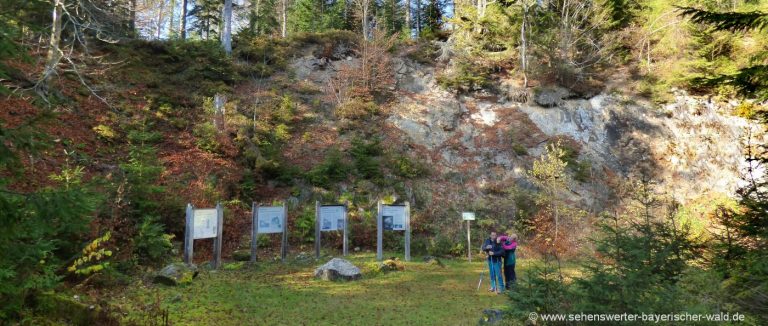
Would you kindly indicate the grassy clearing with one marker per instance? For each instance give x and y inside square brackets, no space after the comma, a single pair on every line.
[287,294]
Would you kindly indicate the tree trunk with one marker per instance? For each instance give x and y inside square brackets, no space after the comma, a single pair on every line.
[283,31]
[160,13]
[171,22]
[226,40]
[523,46]
[408,18]
[183,20]
[254,24]
[133,16]
[54,52]
[418,18]
[364,4]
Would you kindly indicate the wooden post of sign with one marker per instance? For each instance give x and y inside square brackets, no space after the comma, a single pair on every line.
[189,236]
[217,242]
[254,230]
[407,231]
[317,229]
[469,244]
[284,245]
[344,247]
[379,233]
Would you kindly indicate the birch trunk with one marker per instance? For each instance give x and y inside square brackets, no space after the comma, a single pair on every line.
[54,52]
[283,31]
[226,39]
[408,18]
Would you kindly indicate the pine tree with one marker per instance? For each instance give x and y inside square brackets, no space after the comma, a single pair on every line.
[433,16]
[207,20]
[390,16]
[751,80]
[261,18]
[42,228]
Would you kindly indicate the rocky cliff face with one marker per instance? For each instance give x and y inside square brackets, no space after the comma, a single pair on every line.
[692,147]
[481,144]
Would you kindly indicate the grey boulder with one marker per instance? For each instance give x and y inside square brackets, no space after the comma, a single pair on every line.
[338,269]
[176,274]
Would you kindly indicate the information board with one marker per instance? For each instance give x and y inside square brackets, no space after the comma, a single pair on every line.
[203,223]
[206,223]
[271,219]
[468,216]
[331,218]
[393,218]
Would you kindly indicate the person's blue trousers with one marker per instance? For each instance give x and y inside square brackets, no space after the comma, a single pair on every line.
[497,276]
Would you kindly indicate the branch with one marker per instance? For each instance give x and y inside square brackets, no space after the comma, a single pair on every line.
[727,21]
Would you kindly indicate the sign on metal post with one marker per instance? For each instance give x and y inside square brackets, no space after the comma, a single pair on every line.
[267,220]
[204,223]
[330,218]
[393,218]
[468,216]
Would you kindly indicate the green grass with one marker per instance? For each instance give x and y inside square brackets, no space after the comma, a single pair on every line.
[288,294]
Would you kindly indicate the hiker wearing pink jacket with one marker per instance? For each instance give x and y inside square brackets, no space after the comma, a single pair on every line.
[509,244]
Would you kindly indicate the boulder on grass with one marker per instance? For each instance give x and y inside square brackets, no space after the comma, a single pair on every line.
[338,269]
[391,265]
[434,261]
[241,255]
[176,274]
[491,317]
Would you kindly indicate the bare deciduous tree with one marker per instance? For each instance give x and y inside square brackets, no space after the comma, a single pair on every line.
[363,11]
[372,75]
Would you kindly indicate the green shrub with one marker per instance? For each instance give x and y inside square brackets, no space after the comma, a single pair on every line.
[206,137]
[519,149]
[304,225]
[152,244]
[746,110]
[143,136]
[366,156]
[407,167]
[331,170]
[175,71]
[466,77]
[582,170]
[443,246]
[424,53]
[264,55]
[285,112]
[105,132]
[356,108]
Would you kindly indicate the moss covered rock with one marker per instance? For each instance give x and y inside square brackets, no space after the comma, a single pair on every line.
[176,274]
[433,261]
[391,265]
[241,255]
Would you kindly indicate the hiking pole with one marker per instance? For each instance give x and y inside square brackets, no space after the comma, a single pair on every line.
[481,277]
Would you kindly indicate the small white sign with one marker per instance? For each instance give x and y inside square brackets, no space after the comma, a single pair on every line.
[205,223]
[468,216]
[271,219]
[393,217]
[331,218]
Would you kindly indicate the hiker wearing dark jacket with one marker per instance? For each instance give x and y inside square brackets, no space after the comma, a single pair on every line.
[492,247]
